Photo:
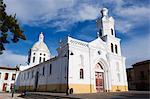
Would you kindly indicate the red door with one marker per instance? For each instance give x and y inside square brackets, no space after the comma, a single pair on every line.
[4,86]
[99,81]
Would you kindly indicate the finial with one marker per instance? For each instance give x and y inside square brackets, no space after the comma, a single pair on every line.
[104,12]
[41,37]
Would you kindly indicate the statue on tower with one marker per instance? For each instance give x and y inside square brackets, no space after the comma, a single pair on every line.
[104,12]
[41,37]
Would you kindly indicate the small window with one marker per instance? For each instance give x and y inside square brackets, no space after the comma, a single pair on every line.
[33,59]
[112,32]
[44,54]
[100,32]
[81,74]
[50,69]
[13,76]
[33,53]
[40,60]
[43,59]
[40,53]
[142,74]
[116,50]
[99,52]
[25,75]
[0,75]
[28,75]
[43,71]
[6,76]
[112,49]
[32,73]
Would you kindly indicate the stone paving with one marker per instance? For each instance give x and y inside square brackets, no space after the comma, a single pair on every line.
[104,95]
[9,96]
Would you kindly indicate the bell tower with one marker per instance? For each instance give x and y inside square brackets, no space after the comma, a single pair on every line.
[105,24]
[106,31]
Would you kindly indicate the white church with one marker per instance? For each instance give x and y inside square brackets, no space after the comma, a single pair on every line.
[79,67]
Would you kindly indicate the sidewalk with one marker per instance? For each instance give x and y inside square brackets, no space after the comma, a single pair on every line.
[9,96]
[56,95]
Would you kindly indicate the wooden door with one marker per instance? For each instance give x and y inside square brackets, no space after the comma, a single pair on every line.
[99,81]
[4,86]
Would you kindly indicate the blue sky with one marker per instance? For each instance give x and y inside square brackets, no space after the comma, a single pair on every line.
[59,18]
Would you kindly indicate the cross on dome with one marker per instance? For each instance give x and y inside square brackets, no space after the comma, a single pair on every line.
[41,37]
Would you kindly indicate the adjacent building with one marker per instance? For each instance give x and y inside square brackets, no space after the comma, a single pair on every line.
[79,67]
[139,76]
[8,77]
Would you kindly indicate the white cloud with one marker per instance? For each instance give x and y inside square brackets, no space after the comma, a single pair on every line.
[131,17]
[123,26]
[87,12]
[136,49]
[66,12]
[63,12]
[34,12]
[10,59]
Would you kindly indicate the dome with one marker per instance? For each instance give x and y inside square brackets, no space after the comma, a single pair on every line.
[40,45]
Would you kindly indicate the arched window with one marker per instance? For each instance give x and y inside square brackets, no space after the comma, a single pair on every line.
[112,49]
[112,32]
[43,59]
[28,75]
[50,69]
[100,32]
[33,59]
[43,71]
[81,74]
[40,60]
[0,75]
[116,50]
[32,73]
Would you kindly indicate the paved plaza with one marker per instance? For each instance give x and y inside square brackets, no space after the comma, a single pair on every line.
[110,95]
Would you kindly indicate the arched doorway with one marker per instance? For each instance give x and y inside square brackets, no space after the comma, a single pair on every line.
[99,78]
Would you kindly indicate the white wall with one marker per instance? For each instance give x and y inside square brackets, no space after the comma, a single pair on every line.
[9,81]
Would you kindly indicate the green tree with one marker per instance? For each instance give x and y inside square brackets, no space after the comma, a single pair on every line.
[9,28]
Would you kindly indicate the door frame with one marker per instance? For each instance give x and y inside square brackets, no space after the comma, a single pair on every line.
[96,72]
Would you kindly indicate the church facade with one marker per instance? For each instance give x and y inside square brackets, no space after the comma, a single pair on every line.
[79,67]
